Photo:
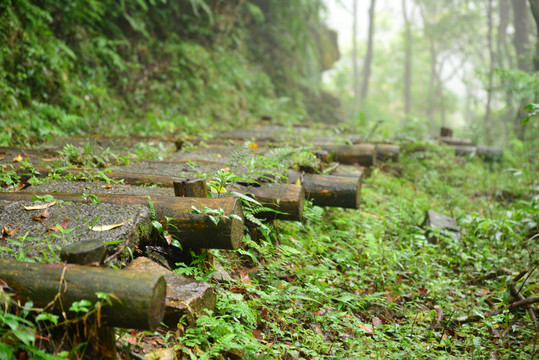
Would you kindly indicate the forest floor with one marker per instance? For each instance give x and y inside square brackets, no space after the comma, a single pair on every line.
[366,284]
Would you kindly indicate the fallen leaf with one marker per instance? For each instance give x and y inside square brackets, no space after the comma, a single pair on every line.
[423,291]
[168,238]
[439,312]
[366,328]
[45,214]
[7,232]
[109,227]
[18,158]
[108,186]
[40,207]
[38,219]
[253,146]
[258,334]
[244,277]
[318,329]
[298,181]
[63,226]
[376,321]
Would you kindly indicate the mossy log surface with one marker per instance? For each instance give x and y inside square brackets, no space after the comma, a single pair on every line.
[138,299]
[387,152]
[360,154]
[487,153]
[335,191]
[285,198]
[194,230]
[455,141]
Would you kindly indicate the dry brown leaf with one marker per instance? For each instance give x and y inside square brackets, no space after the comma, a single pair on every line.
[439,312]
[7,232]
[108,186]
[366,328]
[376,321]
[18,158]
[244,278]
[45,214]
[63,226]
[40,207]
[38,219]
[109,227]
[258,334]
[168,238]
[318,329]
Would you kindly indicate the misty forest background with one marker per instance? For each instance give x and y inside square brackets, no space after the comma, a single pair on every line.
[159,67]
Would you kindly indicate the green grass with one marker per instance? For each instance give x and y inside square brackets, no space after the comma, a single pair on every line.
[313,290]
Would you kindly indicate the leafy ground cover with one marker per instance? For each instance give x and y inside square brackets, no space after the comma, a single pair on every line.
[353,284]
[367,284]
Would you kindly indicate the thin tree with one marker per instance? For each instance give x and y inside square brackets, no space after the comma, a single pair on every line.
[534,4]
[488,119]
[407,63]
[355,80]
[368,57]
[521,41]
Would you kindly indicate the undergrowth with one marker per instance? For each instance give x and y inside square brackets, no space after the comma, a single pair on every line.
[367,284]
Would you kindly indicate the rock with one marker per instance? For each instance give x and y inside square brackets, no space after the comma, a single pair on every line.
[162,354]
[440,223]
[185,297]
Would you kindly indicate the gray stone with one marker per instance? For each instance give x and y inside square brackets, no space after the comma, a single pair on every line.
[441,224]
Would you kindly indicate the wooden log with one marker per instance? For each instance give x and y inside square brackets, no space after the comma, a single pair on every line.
[286,198]
[191,188]
[361,154]
[489,153]
[84,252]
[446,132]
[350,171]
[185,297]
[464,150]
[456,141]
[387,152]
[193,230]
[329,190]
[138,299]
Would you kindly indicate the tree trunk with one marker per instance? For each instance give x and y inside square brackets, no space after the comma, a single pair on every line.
[368,57]
[521,42]
[194,230]
[488,120]
[521,39]
[502,51]
[361,154]
[333,191]
[138,300]
[355,80]
[407,64]
[534,4]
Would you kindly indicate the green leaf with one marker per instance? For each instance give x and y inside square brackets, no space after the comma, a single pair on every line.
[48,317]
[157,226]
[245,197]
[525,121]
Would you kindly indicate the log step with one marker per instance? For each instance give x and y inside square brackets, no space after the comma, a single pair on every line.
[138,299]
[185,296]
[194,230]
